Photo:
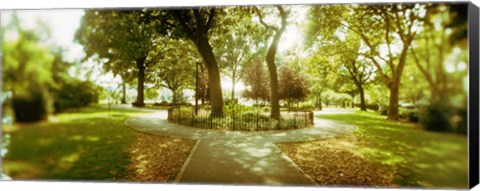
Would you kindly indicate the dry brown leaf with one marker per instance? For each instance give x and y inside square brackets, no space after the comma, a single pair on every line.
[333,162]
[157,158]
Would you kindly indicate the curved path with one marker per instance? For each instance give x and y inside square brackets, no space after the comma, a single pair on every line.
[236,157]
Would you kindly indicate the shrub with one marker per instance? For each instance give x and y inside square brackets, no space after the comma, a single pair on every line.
[32,107]
[135,104]
[307,106]
[237,108]
[231,102]
[436,117]
[75,94]
[409,114]
[373,107]
[163,103]
[383,110]
[460,121]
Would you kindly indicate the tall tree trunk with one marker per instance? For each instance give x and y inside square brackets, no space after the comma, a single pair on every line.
[393,102]
[141,80]
[272,68]
[196,88]
[395,84]
[233,85]
[320,102]
[175,96]
[216,98]
[124,94]
[363,106]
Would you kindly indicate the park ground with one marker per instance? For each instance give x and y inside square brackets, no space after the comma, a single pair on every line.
[95,144]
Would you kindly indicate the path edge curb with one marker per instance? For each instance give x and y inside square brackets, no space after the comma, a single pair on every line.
[289,160]
[186,163]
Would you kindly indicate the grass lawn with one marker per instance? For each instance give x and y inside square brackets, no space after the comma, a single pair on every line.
[89,144]
[418,158]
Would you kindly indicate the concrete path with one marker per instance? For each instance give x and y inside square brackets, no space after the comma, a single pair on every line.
[235,157]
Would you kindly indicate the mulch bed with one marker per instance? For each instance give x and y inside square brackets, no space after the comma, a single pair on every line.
[157,158]
[334,162]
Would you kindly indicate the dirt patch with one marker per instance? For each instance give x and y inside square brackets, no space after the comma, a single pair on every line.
[157,158]
[335,162]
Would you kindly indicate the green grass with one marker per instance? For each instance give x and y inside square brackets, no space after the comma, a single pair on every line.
[86,145]
[419,157]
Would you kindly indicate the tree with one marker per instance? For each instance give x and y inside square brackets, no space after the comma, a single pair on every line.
[293,85]
[352,68]
[270,58]
[196,24]
[320,73]
[434,43]
[358,67]
[121,42]
[26,69]
[397,23]
[256,81]
[175,70]
[236,43]
[203,92]
[381,27]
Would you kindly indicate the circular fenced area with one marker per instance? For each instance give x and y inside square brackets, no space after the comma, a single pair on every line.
[240,121]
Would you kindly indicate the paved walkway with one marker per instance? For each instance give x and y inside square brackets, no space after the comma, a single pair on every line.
[235,157]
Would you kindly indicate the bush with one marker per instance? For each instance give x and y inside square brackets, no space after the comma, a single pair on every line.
[436,118]
[231,102]
[373,107]
[75,94]
[31,108]
[409,114]
[460,121]
[135,104]
[237,108]
[163,103]
[307,106]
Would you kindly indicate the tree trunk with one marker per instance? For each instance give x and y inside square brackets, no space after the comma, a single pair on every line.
[395,84]
[393,102]
[196,88]
[175,96]
[363,106]
[274,98]
[270,59]
[320,102]
[233,85]
[272,69]
[141,80]
[124,94]
[216,98]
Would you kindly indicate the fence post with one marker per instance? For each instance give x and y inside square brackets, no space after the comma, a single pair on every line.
[306,119]
[294,119]
[233,118]
[256,121]
[193,118]
[211,120]
[168,114]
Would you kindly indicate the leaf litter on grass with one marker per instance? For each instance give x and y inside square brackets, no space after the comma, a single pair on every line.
[334,162]
[157,158]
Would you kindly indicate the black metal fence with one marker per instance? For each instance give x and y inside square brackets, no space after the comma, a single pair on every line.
[245,121]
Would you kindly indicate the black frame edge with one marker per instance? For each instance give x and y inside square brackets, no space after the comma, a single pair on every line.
[473,114]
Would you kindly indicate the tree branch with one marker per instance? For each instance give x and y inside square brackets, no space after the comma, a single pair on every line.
[210,18]
[424,72]
[199,20]
[260,17]
[183,23]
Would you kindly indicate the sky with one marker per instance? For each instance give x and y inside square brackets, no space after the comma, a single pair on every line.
[63,24]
